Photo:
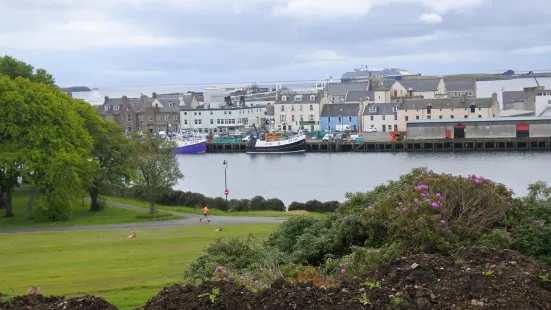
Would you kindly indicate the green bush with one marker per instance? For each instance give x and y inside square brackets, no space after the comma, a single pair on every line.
[240,205]
[274,204]
[240,255]
[294,206]
[257,203]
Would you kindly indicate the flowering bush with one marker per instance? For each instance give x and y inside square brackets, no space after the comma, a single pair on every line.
[360,260]
[437,211]
[222,274]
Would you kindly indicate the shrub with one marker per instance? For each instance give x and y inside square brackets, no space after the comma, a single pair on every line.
[313,206]
[361,260]
[257,203]
[285,236]
[240,255]
[240,205]
[330,206]
[274,204]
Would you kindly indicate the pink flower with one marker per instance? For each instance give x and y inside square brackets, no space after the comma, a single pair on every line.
[438,195]
[256,282]
[507,236]
[404,210]
[368,251]
[446,243]
[377,251]
[443,221]
[218,269]
[389,196]
[225,279]
[435,204]
[213,279]
[539,223]
[343,271]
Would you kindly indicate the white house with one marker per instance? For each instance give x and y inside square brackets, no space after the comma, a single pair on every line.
[223,119]
[381,116]
[392,91]
[295,110]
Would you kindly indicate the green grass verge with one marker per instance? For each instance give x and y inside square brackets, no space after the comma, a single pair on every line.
[127,272]
[81,215]
[142,204]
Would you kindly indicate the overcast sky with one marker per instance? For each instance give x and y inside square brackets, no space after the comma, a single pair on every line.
[150,42]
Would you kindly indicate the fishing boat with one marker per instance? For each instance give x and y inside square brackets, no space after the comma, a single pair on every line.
[185,144]
[296,144]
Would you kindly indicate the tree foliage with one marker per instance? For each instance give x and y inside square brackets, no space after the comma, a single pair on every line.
[14,68]
[157,167]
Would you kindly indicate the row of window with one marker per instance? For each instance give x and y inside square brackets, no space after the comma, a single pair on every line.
[440,117]
[373,109]
[227,112]
[372,117]
[227,121]
[299,98]
[299,107]
[311,118]
[141,118]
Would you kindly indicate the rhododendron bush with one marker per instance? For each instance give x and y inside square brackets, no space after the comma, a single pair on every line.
[436,211]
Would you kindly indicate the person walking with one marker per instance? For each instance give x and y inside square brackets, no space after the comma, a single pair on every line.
[205,214]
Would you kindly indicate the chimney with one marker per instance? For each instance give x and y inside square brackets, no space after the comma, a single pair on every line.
[473,107]
[106,98]
[154,95]
[494,97]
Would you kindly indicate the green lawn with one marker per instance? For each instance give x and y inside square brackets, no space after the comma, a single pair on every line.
[142,204]
[81,215]
[127,272]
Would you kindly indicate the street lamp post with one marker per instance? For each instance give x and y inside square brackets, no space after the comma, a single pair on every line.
[226,192]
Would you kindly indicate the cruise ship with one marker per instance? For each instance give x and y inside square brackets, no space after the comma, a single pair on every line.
[364,73]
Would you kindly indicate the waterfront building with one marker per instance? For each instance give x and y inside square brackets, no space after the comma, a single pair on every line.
[294,110]
[381,116]
[510,127]
[336,92]
[461,88]
[337,116]
[448,108]
[221,119]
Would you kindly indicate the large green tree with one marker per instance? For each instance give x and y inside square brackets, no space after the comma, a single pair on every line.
[111,157]
[14,68]
[43,138]
[157,169]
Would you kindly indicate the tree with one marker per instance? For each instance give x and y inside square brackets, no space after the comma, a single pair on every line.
[111,155]
[15,68]
[44,140]
[8,181]
[157,167]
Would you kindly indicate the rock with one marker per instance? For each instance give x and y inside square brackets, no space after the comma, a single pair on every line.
[415,265]
[432,296]
[475,302]
[423,303]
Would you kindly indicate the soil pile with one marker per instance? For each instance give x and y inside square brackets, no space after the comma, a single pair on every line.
[474,279]
[39,302]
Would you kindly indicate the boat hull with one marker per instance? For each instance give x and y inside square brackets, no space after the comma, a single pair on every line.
[192,148]
[294,145]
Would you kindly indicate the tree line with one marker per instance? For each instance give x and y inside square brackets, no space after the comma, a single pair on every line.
[62,149]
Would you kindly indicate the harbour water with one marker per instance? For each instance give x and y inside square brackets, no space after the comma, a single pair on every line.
[330,176]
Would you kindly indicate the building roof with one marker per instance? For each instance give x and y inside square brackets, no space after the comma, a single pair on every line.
[445,103]
[306,97]
[513,96]
[461,85]
[340,89]
[340,109]
[382,109]
[421,85]
[515,112]
[480,120]
[385,84]
[357,95]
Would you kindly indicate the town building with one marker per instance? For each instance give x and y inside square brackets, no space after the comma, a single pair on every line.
[427,88]
[337,116]
[336,92]
[461,88]
[381,116]
[294,110]
[223,119]
[510,127]
[357,96]
[448,108]
[535,101]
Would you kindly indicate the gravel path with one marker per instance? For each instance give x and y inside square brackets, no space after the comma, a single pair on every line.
[188,220]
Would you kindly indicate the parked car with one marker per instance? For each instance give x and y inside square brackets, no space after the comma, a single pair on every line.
[328,137]
[246,139]
[372,129]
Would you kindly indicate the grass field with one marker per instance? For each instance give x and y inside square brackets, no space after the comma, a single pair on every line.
[127,272]
[81,215]
[142,204]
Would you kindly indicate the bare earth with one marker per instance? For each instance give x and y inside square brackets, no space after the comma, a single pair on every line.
[188,220]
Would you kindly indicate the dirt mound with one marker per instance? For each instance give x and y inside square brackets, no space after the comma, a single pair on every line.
[40,302]
[298,212]
[475,279]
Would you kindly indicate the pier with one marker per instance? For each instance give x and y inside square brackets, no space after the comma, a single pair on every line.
[437,145]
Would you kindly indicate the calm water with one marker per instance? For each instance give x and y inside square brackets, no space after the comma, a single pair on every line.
[330,176]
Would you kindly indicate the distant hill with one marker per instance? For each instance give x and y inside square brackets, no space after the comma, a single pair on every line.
[75,89]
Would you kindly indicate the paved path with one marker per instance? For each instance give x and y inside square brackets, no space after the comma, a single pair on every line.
[188,220]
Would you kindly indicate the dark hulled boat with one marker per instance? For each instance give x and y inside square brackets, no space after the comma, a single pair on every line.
[295,144]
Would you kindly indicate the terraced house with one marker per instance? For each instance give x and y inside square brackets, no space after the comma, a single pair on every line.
[381,116]
[294,110]
[393,91]
[446,108]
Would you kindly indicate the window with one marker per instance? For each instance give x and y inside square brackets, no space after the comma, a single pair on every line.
[292,118]
[394,109]
[311,117]
[194,113]
[197,122]
[417,117]
[298,98]
[185,113]
[428,116]
[312,97]
[384,117]
[282,118]
[106,107]
[128,128]
[185,122]
[372,117]
[292,107]
[211,113]
[129,118]
[311,107]
[407,118]
[282,108]
[451,116]
[175,117]
[150,119]
[211,121]
[466,116]
[479,116]
[395,127]
[301,118]
[170,104]
[283,98]
[300,107]
[350,119]
[440,117]
[395,117]
[340,119]
[127,108]
[140,118]
[166,118]
[158,118]
[229,112]
[116,107]
[372,109]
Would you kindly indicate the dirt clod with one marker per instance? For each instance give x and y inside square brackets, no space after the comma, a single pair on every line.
[40,302]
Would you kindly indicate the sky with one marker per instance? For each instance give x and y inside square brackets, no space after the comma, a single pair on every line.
[158,42]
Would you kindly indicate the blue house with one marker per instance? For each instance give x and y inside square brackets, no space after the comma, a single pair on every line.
[336,116]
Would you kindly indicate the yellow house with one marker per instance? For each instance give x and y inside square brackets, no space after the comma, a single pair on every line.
[447,108]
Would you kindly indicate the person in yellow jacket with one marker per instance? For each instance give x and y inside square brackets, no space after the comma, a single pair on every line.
[205,214]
